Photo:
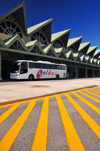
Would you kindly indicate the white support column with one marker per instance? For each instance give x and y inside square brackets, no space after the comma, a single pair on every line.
[0,66]
[86,72]
[76,76]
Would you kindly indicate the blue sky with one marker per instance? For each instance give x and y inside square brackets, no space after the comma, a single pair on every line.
[81,16]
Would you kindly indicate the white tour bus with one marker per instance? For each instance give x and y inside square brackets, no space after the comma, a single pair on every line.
[27,69]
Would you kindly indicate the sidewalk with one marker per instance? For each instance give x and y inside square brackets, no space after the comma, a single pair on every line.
[20,90]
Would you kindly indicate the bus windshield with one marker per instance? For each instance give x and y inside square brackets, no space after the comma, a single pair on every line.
[15,67]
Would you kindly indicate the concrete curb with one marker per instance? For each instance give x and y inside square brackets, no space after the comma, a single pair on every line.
[45,95]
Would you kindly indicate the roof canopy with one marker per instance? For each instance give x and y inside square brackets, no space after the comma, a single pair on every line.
[58,51]
[76,56]
[46,26]
[84,47]
[91,50]
[20,15]
[96,54]
[74,42]
[82,58]
[63,35]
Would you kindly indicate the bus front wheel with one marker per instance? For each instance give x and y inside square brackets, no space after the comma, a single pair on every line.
[31,77]
[57,76]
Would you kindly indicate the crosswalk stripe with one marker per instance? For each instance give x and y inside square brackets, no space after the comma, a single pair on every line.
[91,93]
[96,100]
[95,88]
[12,133]
[92,124]
[72,137]
[88,103]
[8,112]
[40,138]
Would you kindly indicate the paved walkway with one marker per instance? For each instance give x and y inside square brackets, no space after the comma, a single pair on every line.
[20,90]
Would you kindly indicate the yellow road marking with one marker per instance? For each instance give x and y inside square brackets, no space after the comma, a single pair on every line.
[72,137]
[91,93]
[92,124]
[20,101]
[8,112]
[13,103]
[98,90]
[12,133]
[88,103]
[95,88]
[40,139]
[96,100]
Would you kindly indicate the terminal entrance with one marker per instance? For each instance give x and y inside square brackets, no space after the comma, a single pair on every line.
[70,72]
[89,72]
[96,73]
[5,69]
[81,72]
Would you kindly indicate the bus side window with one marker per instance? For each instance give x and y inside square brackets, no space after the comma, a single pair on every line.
[34,65]
[38,65]
[48,66]
[63,68]
[44,66]
[56,67]
[23,68]
[60,67]
[30,65]
[52,66]
[41,65]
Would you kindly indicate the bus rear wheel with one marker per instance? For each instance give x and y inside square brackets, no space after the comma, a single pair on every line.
[31,77]
[57,76]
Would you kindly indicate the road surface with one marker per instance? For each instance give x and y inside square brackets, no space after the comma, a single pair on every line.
[61,122]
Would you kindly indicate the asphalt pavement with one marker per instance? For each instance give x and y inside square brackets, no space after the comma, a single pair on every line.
[68,121]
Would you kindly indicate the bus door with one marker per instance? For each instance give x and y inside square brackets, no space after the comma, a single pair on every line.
[24,70]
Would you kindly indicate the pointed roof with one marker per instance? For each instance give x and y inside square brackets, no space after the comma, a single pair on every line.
[91,60]
[20,15]
[82,58]
[76,56]
[30,45]
[74,41]
[46,49]
[62,54]
[98,62]
[10,41]
[91,50]
[96,54]
[87,58]
[2,43]
[63,35]
[95,61]
[46,26]
[84,47]
[58,51]
[69,54]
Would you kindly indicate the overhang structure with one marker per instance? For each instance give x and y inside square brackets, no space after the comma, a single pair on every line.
[39,43]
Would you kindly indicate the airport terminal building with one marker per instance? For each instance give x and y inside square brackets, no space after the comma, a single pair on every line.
[38,43]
